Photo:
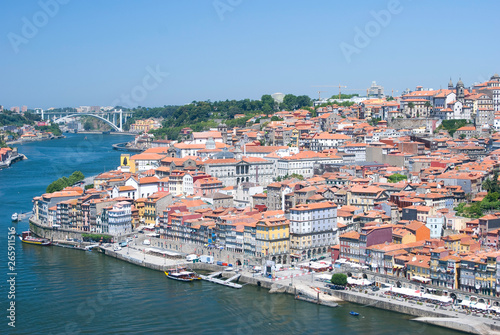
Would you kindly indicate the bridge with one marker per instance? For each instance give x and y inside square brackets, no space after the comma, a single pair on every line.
[113,118]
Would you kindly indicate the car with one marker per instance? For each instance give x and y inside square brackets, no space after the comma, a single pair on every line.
[335,287]
[314,259]
[375,288]
[322,257]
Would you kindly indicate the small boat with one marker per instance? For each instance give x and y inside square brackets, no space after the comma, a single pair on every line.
[354,313]
[15,217]
[27,238]
[182,274]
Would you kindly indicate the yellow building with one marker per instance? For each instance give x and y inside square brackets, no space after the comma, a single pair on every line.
[154,205]
[452,242]
[143,126]
[294,139]
[402,236]
[140,205]
[125,164]
[272,238]
[419,267]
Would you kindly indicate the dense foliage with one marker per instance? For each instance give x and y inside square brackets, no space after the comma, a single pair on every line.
[53,128]
[490,201]
[452,125]
[339,279]
[8,118]
[344,96]
[146,113]
[63,182]
[97,238]
[202,115]
[395,178]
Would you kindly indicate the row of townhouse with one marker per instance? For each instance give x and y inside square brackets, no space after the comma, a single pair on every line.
[309,230]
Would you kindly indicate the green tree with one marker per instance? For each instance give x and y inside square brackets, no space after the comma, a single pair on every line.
[304,101]
[267,103]
[64,182]
[339,279]
[88,125]
[289,102]
[411,105]
[75,177]
[427,106]
[395,178]
[298,176]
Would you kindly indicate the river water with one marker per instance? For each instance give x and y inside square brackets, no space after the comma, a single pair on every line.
[64,291]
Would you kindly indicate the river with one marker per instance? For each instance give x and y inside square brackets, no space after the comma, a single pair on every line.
[64,291]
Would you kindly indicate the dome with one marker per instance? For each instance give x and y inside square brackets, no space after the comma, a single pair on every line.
[460,83]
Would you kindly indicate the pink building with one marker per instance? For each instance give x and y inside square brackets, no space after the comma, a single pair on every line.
[206,186]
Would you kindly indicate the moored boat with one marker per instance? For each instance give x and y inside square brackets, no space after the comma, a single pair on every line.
[15,217]
[182,274]
[26,237]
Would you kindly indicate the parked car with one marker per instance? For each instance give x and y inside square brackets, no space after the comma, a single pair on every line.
[335,287]
[322,257]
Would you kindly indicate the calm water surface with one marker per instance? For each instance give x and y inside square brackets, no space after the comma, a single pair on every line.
[63,291]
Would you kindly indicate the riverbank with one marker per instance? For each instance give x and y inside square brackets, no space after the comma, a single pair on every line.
[126,146]
[11,160]
[19,141]
[455,319]
[291,281]
[432,314]
[306,284]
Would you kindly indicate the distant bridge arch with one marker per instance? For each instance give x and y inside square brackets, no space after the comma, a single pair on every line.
[115,127]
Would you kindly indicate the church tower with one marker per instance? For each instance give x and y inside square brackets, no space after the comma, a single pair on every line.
[222,128]
[460,91]
[450,85]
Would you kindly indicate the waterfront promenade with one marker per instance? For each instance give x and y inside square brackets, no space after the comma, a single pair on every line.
[450,316]
[293,280]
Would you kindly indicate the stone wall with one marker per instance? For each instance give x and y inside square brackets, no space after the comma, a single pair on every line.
[219,255]
[411,123]
[54,233]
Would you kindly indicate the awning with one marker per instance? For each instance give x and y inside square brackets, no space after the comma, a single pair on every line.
[359,282]
[422,279]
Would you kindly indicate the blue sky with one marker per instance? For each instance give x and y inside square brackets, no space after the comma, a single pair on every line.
[96,52]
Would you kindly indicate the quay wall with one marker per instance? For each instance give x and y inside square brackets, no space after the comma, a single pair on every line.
[52,234]
[386,303]
[432,316]
[225,256]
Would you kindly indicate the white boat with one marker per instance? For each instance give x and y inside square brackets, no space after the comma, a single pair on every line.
[182,274]
[15,217]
